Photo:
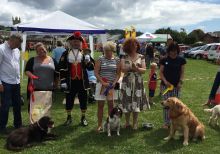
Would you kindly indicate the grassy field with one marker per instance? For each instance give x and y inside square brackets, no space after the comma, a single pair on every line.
[199,77]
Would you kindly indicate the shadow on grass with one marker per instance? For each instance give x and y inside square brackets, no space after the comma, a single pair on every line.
[155,140]
[92,138]
[62,131]
[215,128]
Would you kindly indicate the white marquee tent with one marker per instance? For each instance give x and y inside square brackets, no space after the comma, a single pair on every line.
[146,37]
[58,23]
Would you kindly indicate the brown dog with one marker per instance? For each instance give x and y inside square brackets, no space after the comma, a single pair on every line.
[183,120]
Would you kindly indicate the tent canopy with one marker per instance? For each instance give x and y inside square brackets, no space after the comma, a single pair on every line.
[59,22]
[161,38]
[146,37]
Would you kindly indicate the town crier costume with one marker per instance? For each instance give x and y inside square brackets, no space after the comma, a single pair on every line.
[73,76]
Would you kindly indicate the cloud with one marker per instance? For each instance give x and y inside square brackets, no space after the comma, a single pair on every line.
[110,14]
[13,8]
[38,4]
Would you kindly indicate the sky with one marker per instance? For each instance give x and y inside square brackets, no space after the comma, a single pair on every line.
[144,15]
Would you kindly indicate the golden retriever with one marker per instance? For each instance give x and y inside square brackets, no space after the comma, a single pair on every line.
[183,120]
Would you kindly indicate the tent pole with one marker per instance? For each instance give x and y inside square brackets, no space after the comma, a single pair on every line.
[23,47]
[91,45]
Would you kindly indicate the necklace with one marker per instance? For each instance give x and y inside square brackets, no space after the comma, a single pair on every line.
[75,56]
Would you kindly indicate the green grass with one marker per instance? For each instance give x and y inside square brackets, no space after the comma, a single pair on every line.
[77,139]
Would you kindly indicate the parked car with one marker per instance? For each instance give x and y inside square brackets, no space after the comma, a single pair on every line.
[198,54]
[184,47]
[205,55]
[187,52]
[214,52]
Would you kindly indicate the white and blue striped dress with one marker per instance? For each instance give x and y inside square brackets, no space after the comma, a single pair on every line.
[108,70]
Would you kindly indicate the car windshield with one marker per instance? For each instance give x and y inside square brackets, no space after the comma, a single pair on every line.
[203,47]
[196,48]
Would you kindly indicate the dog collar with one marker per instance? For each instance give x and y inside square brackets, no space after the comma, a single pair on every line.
[41,127]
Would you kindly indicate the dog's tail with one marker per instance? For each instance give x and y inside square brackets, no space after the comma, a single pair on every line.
[10,147]
[208,110]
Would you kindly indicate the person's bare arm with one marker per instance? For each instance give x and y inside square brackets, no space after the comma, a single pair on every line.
[118,73]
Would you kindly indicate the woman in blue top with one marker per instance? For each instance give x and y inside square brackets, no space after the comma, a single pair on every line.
[171,73]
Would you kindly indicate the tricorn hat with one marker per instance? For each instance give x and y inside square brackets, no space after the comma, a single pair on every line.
[76,36]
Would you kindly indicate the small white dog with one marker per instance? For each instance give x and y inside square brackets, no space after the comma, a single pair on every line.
[113,121]
[215,114]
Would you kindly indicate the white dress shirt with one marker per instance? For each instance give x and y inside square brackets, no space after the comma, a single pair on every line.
[75,56]
[9,64]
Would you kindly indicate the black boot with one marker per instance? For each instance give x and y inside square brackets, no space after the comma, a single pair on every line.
[84,121]
[68,121]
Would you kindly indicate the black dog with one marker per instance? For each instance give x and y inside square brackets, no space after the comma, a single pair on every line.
[25,136]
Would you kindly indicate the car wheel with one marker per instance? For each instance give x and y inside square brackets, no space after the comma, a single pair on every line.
[198,57]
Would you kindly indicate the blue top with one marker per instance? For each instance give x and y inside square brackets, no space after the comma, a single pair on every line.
[57,53]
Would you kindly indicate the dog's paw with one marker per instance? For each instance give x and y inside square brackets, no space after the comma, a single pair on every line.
[118,134]
[109,135]
[167,138]
[185,143]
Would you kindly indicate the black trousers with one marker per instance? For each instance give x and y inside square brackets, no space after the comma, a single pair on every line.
[10,97]
[76,88]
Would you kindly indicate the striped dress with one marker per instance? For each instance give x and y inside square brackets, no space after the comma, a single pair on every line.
[108,70]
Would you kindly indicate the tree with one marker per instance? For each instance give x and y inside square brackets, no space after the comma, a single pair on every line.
[179,37]
[194,36]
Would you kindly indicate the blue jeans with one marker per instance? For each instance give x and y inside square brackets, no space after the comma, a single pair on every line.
[10,96]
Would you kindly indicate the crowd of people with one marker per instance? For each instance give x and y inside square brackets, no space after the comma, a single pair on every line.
[76,73]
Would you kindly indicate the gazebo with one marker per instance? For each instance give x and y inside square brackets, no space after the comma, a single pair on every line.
[58,23]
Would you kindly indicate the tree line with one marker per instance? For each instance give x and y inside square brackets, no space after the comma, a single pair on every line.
[179,36]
